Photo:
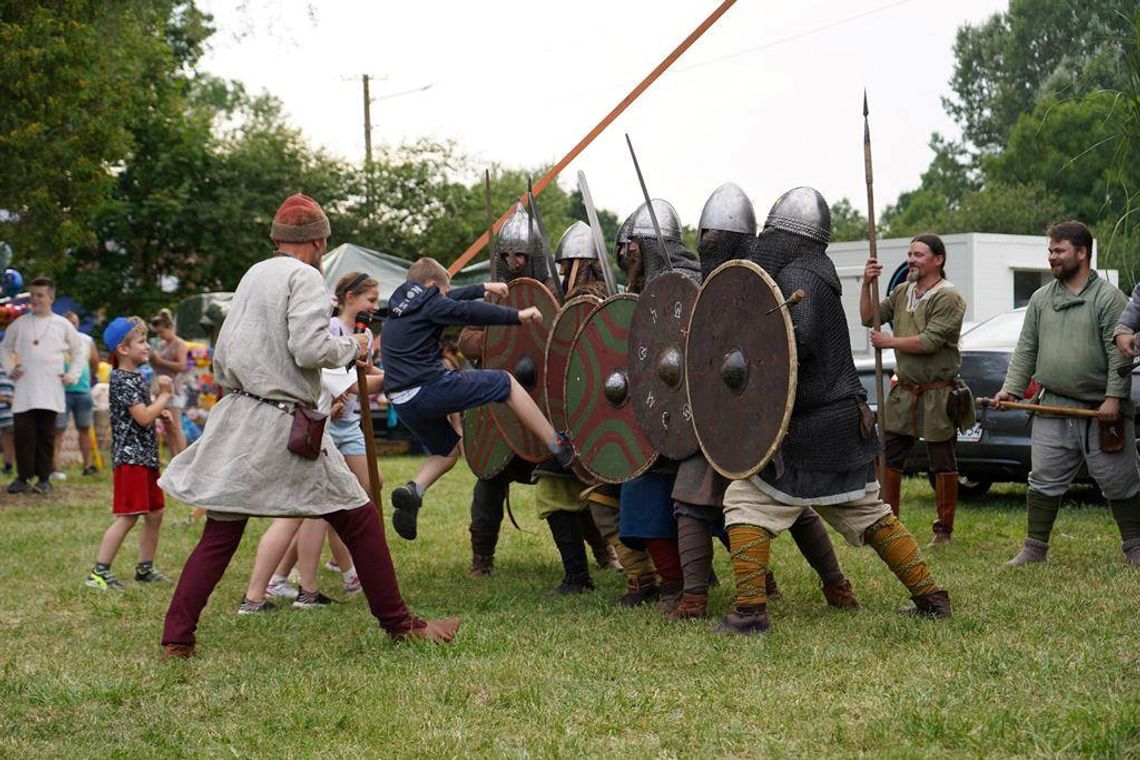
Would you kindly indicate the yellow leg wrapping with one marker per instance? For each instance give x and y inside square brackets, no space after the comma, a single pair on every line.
[897,547]
[751,551]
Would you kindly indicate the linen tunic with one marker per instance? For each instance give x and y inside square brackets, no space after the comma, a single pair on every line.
[42,346]
[273,344]
[937,317]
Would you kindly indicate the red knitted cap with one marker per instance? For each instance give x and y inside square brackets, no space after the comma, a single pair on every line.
[299,220]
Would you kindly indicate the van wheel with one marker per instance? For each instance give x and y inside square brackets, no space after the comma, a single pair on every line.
[967,487]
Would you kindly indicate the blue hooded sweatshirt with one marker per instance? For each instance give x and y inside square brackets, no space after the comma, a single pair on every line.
[417,314]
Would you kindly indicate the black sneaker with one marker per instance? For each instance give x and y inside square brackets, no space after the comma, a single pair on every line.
[572,585]
[42,487]
[19,486]
[253,608]
[150,575]
[565,453]
[104,581]
[406,503]
[91,470]
[312,600]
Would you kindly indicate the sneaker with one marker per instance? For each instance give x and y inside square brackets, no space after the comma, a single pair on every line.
[280,589]
[19,486]
[42,487]
[104,582]
[90,470]
[151,576]
[311,600]
[252,608]
[406,503]
[57,475]
[352,585]
[332,566]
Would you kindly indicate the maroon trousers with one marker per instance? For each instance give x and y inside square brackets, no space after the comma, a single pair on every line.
[362,531]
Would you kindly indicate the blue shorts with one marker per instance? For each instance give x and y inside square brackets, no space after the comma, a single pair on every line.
[425,414]
[80,406]
[348,437]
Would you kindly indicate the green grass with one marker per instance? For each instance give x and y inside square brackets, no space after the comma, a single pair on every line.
[1036,662]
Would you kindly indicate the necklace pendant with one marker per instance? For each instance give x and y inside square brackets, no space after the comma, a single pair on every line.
[36,342]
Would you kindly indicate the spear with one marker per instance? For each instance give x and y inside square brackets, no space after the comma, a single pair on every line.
[876,324]
[490,226]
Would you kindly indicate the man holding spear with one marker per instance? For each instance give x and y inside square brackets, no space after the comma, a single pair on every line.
[1067,347]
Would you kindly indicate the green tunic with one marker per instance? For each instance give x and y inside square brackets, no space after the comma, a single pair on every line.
[937,317]
[1066,345]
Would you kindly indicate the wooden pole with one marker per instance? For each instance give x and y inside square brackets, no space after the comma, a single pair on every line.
[1062,411]
[369,438]
[880,396]
[617,110]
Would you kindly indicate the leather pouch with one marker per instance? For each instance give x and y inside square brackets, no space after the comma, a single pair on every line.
[959,405]
[866,421]
[306,433]
[1112,436]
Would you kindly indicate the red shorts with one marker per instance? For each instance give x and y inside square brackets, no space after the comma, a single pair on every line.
[137,491]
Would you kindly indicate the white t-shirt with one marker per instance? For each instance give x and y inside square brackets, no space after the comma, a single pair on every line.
[41,346]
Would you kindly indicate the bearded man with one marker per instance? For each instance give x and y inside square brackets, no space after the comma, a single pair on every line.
[826,461]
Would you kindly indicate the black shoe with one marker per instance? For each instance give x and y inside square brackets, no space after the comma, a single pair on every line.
[91,470]
[311,601]
[42,487]
[19,486]
[573,585]
[406,503]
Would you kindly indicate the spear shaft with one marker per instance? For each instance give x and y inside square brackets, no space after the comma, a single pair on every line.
[876,324]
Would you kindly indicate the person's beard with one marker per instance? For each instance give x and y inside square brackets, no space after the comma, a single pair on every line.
[1065,272]
[913,275]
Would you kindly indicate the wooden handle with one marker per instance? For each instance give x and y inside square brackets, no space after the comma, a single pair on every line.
[1064,411]
[369,438]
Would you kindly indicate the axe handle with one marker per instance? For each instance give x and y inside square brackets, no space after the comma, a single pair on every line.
[1063,411]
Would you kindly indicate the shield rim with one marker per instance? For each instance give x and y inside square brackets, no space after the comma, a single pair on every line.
[527,455]
[793,371]
[565,392]
[498,470]
[584,298]
[634,398]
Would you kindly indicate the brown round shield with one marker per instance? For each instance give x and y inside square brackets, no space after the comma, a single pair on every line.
[520,350]
[566,325]
[600,419]
[740,363]
[657,364]
[487,453]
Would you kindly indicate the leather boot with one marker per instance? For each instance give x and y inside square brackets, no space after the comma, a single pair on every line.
[936,605]
[668,597]
[1131,551]
[572,585]
[692,606]
[639,590]
[840,595]
[771,590]
[1031,551]
[566,529]
[436,631]
[946,501]
[892,489]
[745,621]
[177,652]
[481,566]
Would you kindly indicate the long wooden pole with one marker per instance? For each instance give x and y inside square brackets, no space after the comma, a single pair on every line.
[872,237]
[555,170]
[1061,411]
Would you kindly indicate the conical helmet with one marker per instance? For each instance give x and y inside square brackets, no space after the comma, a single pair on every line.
[802,211]
[623,232]
[667,219]
[577,242]
[729,209]
[514,235]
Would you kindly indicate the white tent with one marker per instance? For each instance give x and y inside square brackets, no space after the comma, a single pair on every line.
[390,271]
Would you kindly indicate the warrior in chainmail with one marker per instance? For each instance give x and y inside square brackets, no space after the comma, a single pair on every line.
[727,226]
[518,255]
[827,459]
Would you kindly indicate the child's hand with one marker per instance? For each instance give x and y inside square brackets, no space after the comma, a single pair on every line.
[361,343]
[495,289]
[165,385]
[530,314]
[166,416]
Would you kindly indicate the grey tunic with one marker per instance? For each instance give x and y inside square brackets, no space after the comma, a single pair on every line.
[273,344]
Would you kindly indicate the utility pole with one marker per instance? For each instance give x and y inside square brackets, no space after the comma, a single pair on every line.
[367,147]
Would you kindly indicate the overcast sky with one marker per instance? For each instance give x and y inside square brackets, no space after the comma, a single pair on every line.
[770,97]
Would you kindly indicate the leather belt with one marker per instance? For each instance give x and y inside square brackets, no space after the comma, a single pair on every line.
[917,390]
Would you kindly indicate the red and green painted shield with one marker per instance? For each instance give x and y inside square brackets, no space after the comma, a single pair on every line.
[740,363]
[600,417]
[487,452]
[566,325]
[657,364]
[520,350]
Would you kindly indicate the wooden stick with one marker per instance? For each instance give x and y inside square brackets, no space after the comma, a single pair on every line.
[1063,411]
[369,438]
[555,170]
[876,324]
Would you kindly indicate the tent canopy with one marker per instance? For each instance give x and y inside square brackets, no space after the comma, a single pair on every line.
[390,271]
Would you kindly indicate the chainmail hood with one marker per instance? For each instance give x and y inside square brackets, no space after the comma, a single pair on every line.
[719,246]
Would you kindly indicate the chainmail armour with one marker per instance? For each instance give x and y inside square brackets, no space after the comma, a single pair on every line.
[655,263]
[716,249]
[823,433]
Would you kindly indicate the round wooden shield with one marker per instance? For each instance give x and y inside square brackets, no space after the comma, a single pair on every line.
[740,363]
[600,418]
[487,453]
[657,338]
[521,349]
[566,325]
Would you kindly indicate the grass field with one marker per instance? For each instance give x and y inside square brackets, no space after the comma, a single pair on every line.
[1037,662]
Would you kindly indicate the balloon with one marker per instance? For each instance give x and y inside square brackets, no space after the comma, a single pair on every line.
[13,282]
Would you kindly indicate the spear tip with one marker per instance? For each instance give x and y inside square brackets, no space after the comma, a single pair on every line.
[865,110]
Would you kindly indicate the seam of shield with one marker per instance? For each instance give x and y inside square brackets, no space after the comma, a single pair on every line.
[564,311]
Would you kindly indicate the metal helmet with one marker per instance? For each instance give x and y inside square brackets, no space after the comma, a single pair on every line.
[728,209]
[802,211]
[623,232]
[514,235]
[577,242]
[667,219]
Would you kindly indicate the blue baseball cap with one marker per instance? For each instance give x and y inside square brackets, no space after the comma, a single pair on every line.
[114,333]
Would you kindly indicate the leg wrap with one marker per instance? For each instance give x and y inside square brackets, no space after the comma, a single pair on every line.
[896,546]
[666,560]
[567,532]
[694,542]
[751,551]
[892,489]
[945,500]
[634,563]
[1126,512]
[1042,513]
[810,535]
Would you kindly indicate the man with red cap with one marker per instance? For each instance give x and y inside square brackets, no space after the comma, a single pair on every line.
[268,359]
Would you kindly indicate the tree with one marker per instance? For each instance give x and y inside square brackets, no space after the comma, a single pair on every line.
[846,222]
